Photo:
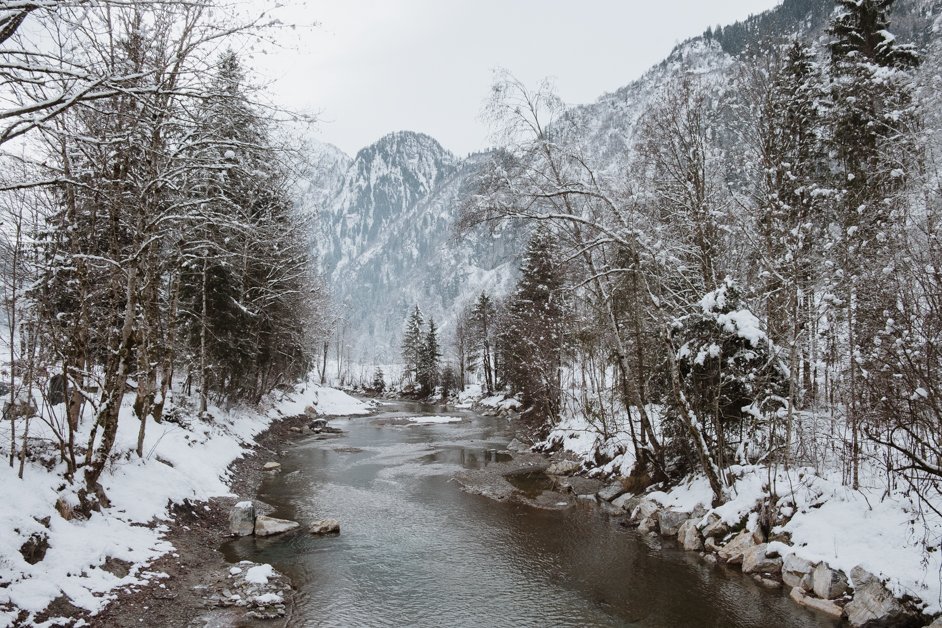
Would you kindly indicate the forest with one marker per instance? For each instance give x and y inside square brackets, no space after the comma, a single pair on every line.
[150,235]
[760,285]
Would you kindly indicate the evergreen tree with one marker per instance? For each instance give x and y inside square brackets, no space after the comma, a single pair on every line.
[871,124]
[430,354]
[482,317]
[532,339]
[412,344]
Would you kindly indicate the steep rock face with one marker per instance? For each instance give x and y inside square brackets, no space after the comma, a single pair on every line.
[388,216]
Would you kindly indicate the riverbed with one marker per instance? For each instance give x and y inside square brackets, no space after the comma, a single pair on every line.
[415,550]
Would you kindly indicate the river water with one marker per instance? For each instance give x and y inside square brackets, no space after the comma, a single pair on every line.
[415,550]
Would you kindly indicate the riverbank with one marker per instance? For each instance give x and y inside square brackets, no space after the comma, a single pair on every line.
[150,553]
[865,557]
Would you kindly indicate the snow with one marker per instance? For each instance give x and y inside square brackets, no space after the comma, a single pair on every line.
[181,462]
[434,419]
[260,574]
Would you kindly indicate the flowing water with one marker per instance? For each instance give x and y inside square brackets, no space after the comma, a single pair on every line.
[415,550]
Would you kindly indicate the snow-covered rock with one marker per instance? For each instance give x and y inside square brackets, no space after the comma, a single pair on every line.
[268,526]
[563,467]
[626,502]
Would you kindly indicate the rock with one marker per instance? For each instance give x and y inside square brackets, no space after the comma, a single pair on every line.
[710,545]
[611,491]
[796,572]
[626,502]
[587,499]
[733,551]
[610,509]
[824,606]
[689,536]
[57,389]
[669,521]
[325,526]
[242,519]
[828,583]
[873,604]
[648,524]
[937,623]
[580,485]
[295,429]
[271,466]
[768,583]
[757,560]
[267,526]
[516,445]
[644,510]
[715,528]
[563,467]
[318,424]
[34,549]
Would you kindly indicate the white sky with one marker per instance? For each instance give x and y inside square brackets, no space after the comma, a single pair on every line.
[375,66]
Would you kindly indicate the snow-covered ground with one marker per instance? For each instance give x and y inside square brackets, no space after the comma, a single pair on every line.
[182,460]
[888,532]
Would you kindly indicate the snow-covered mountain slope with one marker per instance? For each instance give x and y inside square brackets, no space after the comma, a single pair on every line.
[388,237]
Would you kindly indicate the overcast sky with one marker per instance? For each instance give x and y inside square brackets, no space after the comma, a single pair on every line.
[375,66]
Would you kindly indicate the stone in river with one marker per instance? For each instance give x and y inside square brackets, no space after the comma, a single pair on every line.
[267,526]
[242,519]
[325,526]
[271,466]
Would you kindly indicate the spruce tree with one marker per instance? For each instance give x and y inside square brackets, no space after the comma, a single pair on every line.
[532,339]
[871,123]
[429,357]
[412,344]
[482,317]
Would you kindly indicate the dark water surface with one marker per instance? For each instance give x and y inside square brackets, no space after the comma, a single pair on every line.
[417,551]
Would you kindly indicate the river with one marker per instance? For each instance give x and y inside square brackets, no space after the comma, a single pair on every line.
[415,550]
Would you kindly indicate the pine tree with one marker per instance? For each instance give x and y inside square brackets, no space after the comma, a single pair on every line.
[872,117]
[532,339]
[430,354]
[412,344]
[482,316]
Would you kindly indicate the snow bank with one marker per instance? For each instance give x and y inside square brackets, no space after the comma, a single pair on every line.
[185,460]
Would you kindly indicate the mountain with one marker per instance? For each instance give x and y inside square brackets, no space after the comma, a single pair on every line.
[388,216]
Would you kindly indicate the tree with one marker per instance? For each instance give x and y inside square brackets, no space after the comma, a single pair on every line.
[412,344]
[482,316]
[534,337]
[870,123]
[430,354]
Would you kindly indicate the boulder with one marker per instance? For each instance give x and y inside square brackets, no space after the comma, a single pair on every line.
[271,466]
[733,551]
[669,521]
[626,502]
[824,606]
[611,491]
[644,510]
[757,560]
[267,526]
[648,525]
[828,583]
[689,536]
[242,519]
[936,623]
[710,545]
[715,527]
[796,572]
[873,604]
[325,526]
[563,467]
